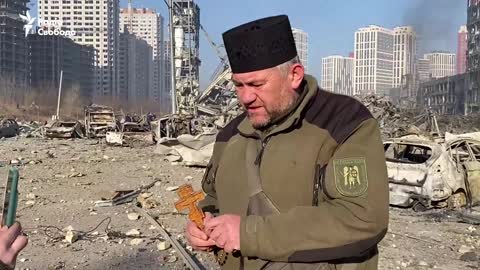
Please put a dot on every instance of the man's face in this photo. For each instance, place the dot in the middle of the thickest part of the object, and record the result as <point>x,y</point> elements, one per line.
<point>265,95</point>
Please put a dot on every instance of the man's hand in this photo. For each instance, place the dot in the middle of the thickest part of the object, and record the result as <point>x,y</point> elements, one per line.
<point>12,242</point>
<point>197,238</point>
<point>225,231</point>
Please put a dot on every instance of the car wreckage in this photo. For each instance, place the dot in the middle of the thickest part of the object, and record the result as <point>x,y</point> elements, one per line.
<point>426,173</point>
<point>99,120</point>
<point>8,128</point>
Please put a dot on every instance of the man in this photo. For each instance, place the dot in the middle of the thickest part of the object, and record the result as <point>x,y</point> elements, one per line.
<point>299,180</point>
<point>12,241</point>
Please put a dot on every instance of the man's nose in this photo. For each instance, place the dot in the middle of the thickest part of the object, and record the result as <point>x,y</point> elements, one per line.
<point>246,96</point>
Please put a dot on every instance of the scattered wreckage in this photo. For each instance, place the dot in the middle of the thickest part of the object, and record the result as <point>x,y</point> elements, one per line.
<point>65,130</point>
<point>99,120</point>
<point>428,173</point>
<point>9,128</point>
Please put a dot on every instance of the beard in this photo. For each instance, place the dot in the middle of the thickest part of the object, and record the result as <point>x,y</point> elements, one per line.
<point>277,111</point>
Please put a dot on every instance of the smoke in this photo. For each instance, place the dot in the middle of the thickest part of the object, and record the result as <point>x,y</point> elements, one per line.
<point>436,22</point>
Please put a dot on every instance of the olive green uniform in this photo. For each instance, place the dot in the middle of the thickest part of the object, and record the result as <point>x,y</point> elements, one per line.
<point>312,191</point>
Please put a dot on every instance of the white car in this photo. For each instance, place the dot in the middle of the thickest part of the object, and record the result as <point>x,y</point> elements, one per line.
<point>425,173</point>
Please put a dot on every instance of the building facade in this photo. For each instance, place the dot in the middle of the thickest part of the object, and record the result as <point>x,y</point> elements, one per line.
<point>404,50</point>
<point>51,54</point>
<point>167,77</point>
<point>473,56</point>
<point>442,64</point>
<point>13,47</point>
<point>422,70</point>
<point>96,23</point>
<point>301,42</point>
<point>135,69</point>
<point>462,39</point>
<point>374,59</point>
<point>445,95</point>
<point>337,74</point>
<point>148,25</point>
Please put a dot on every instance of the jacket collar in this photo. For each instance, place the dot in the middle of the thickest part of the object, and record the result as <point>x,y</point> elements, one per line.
<point>310,87</point>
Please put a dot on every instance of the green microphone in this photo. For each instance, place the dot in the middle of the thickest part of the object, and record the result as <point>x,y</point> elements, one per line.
<point>10,200</point>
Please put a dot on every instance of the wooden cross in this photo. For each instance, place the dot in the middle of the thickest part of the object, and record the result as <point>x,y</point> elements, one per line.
<point>188,200</point>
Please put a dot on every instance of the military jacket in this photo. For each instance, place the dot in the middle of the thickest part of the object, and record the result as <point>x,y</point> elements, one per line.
<point>323,168</point>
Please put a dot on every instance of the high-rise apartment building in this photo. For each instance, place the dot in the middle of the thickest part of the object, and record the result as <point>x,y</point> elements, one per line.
<point>462,39</point>
<point>96,23</point>
<point>301,42</point>
<point>13,45</point>
<point>374,59</point>
<point>404,51</point>
<point>135,69</point>
<point>51,54</point>
<point>167,76</point>
<point>337,74</point>
<point>442,64</point>
<point>148,25</point>
<point>423,71</point>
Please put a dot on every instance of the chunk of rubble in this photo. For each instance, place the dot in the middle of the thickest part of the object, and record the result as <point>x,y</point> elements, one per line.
<point>174,188</point>
<point>132,232</point>
<point>136,241</point>
<point>164,245</point>
<point>71,237</point>
<point>133,216</point>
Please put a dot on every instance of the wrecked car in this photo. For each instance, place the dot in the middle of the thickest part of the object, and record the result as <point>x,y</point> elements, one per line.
<point>61,129</point>
<point>9,128</point>
<point>424,173</point>
<point>99,120</point>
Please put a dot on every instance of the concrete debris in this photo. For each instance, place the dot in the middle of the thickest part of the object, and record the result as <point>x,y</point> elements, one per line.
<point>132,232</point>
<point>71,237</point>
<point>464,249</point>
<point>469,257</point>
<point>147,202</point>
<point>31,196</point>
<point>30,202</point>
<point>170,258</point>
<point>191,150</point>
<point>174,188</point>
<point>164,245</point>
<point>133,216</point>
<point>136,241</point>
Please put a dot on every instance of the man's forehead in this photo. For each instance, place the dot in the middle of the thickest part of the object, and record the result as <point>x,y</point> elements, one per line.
<point>252,76</point>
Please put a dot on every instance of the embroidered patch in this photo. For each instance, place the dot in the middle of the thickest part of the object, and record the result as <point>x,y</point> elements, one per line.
<point>351,176</point>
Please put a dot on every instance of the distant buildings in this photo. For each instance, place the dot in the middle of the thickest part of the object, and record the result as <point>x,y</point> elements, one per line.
<point>442,64</point>
<point>148,25</point>
<point>301,42</point>
<point>337,74</point>
<point>96,23</point>
<point>472,94</point>
<point>404,50</point>
<point>462,39</point>
<point>50,54</point>
<point>13,45</point>
<point>135,69</point>
<point>374,59</point>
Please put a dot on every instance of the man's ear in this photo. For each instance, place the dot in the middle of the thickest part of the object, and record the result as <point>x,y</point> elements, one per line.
<point>297,73</point>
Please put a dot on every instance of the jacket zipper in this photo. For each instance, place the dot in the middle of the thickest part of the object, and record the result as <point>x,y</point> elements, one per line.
<point>258,160</point>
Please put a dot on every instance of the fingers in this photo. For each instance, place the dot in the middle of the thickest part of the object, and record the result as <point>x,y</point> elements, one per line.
<point>194,231</point>
<point>19,244</point>
<point>212,223</point>
<point>8,237</point>
<point>197,238</point>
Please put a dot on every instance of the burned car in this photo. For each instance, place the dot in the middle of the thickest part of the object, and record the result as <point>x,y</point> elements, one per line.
<point>99,120</point>
<point>8,128</point>
<point>61,129</point>
<point>424,173</point>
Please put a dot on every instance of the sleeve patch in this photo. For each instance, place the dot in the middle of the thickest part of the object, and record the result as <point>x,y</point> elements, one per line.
<point>351,176</point>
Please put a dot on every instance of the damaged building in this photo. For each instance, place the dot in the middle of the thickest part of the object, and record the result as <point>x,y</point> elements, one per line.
<point>459,94</point>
